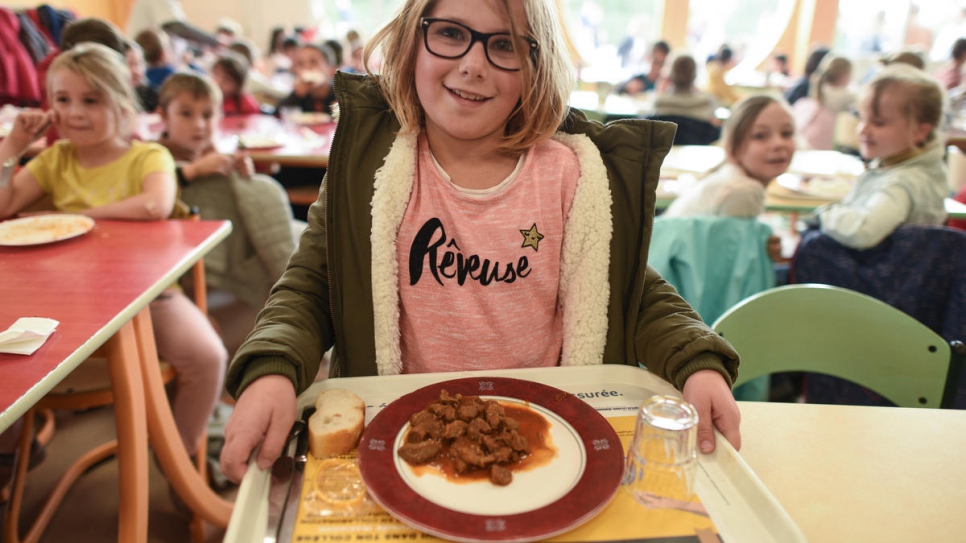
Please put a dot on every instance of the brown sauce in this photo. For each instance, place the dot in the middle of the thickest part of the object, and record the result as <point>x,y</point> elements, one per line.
<point>533,426</point>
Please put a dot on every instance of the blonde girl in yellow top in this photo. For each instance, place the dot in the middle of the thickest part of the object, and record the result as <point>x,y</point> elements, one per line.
<point>97,171</point>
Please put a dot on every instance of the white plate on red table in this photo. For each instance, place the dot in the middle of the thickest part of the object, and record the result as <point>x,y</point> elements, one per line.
<point>311,118</point>
<point>260,142</point>
<point>575,485</point>
<point>829,188</point>
<point>42,229</point>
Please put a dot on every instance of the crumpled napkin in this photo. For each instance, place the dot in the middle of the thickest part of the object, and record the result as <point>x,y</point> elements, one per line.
<point>26,335</point>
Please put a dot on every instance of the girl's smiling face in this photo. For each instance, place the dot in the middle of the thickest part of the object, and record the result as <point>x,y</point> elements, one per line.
<point>890,131</point>
<point>82,114</point>
<point>467,99</point>
<point>767,151</point>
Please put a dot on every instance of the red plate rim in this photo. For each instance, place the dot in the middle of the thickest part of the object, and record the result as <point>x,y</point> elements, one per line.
<point>594,489</point>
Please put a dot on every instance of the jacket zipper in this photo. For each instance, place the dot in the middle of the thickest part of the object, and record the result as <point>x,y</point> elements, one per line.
<point>336,370</point>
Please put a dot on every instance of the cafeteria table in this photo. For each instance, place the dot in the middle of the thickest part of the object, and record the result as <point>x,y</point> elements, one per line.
<point>98,286</point>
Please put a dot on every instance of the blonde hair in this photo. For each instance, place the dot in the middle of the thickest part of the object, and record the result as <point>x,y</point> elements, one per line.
<point>198,86</point>
<point>104,69</point>
<point>923,95</point>
<point>830,70</point>
<point>547,80</point>
<point>735,131</point>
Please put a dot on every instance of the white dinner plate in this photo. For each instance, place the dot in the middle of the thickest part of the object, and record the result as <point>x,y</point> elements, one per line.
<point>257,141</point>
<point>579,481</point>
<point>828,188</point>
<point>43,229</point>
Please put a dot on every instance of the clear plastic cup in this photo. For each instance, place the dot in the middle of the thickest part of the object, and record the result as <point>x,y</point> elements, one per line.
<point>663,456</point>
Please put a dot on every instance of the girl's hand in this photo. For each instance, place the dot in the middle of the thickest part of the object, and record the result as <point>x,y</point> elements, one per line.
<point>774,248</point>
<point>708,392</point>
<point>244,165</point>
<point>263,415</point>
<point>212,163</point>
<point>28,127</point>
<point>301,88</point>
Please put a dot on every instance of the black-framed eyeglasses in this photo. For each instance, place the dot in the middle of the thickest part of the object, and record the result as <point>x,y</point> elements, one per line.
<point>449,39</point>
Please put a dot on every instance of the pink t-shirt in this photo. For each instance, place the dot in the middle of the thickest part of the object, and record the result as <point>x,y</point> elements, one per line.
<point>479,271</point>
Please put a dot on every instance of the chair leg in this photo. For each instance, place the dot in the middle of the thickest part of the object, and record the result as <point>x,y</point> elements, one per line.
<point>46,431</point>
<point>93,457</point>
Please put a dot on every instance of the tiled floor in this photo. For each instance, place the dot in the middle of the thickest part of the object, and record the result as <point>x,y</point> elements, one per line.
<point>89,512</point>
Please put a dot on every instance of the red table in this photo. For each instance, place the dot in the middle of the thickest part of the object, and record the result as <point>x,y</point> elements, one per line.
<point>99,286</point>
<point>297,145</point>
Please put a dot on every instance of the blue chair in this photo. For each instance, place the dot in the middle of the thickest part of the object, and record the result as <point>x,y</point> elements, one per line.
<point>691,131</point>
<point>919,270</point>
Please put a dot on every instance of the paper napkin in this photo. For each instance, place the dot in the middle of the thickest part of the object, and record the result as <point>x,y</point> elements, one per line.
<point>26,335</point>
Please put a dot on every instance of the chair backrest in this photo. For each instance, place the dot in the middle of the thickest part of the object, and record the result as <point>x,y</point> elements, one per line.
<point>839,332</point>
<point>713,262</point>
<point>919,270</point>
<point>691,131</point>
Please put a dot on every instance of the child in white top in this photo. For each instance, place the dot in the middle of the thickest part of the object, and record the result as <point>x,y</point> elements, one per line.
<point>815,115</point>
<point>462,113</point>
<point>900,110</point>
<point>759,142</point>
<point>97,171</point>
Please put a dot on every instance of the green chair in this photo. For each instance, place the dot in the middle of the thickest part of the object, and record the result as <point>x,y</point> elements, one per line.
<point>839,332</point>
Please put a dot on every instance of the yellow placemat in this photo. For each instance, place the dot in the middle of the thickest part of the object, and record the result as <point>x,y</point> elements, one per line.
<point>346,515</point>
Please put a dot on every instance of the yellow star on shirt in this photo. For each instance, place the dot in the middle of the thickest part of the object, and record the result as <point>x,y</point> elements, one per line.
<point>531,238</point>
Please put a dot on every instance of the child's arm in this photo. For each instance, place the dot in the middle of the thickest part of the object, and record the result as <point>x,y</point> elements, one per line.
<point>19,193</point>
<point>865,226</point>
<point>679,347</point>
<point>20,190</point>
<point>209,164</point>
<point>155,202</point>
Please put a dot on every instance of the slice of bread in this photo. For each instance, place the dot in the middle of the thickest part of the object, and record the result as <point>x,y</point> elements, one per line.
<point>337,423</point>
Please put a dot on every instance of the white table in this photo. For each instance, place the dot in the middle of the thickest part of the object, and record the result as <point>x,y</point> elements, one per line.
<point>870,474</point>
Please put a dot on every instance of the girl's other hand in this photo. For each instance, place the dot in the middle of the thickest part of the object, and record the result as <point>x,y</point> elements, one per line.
<point>210,164</point>
<point>244,165</point>
<point>774,248</point>
<point>708,392</point>
<point>263,415</point>
<point>29,126</point>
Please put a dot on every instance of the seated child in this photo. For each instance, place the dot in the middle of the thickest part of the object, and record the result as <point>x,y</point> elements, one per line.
<point>683,98</point>
<point>223,186</point>
<point>653,79</point>
<point>157,53</point>
<point>314,67</point>
<point>147,96</point>
<point>759,142</point>
<point>230,72</point>
<point>99,172</point>
<point>829,95</point>
<point>900,110</point>
<point>719,65</point>
<point>457,155</point>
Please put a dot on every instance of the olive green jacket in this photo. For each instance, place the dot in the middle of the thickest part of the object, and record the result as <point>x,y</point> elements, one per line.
<point>340,286</point>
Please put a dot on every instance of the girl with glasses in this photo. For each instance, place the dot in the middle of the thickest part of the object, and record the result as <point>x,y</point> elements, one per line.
<point>470,220</point>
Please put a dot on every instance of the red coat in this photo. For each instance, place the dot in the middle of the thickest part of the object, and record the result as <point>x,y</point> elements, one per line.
<point>243,104</point>
<point>18,77</point>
